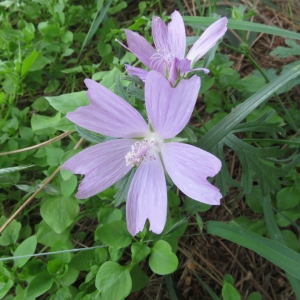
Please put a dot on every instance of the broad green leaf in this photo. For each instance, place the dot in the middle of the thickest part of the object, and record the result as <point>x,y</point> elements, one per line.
<point>90,135</point>
<point>162,260</point>
<point>254,296</point>
<point>27,247</point>
<point>139,279</point>
<point>39,122</point>
<point>68,102</point>
<point>287,198</point>
<point>59,212</point>
<point>230,293</point>
<point>276,253</point>
<point>10,234</point>
<point>108,215</point>
<point>39,285</point>
<point>139,252</point>
<point>68,186</point>
<point>28,62</point>
<point>113,281</point>
<point>114,234</point>
<point>242,25</point>
<point>219,131</point>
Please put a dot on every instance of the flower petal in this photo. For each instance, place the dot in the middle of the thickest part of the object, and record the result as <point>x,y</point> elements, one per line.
<point>108,114</point>
<point>160,34</point>
<point>188,167</point>
<point>177,37</point>
<point>142,74</point>
<point>208,39</point>
<point>169,109</point>
<point>102,164</point>
<point>147,198</point>
<point>140,47</point>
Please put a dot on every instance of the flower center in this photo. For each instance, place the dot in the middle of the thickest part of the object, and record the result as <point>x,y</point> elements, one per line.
<point>162,58</point>
<point>140,151</point>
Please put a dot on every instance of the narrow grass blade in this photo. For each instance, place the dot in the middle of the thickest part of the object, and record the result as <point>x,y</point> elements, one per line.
<point>275,234</point>
<point>276,253</point>
<point>95,24</point>
<point>242,25</point>
<point>219,131</point>
<point>14,169</point>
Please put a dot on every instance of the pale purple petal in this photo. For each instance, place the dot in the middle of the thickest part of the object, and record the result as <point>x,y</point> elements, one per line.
<point>169,109</point>
<point>188,167</point>
<point>177,37</point>
<point>141,73</point>
<point>184,65</point>
<point>108,114</point>
<point>147,198</point>
<point>102,164</point>
<point>159,34</point>
<point>208,39</point>
<point>140,47</point>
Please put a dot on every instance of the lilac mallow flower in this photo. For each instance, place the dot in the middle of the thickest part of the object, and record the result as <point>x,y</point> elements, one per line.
<point>151,148</point>
<point>170,42</point>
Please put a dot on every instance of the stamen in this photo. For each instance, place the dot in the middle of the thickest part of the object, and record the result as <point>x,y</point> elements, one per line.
<point>162,57</point>
<point>140,152</point>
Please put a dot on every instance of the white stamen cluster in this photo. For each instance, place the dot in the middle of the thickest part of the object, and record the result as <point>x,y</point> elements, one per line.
<point>162,57</point>
<point>140,151</point>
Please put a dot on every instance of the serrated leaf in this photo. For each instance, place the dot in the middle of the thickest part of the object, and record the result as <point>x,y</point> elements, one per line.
<point>252,160</point>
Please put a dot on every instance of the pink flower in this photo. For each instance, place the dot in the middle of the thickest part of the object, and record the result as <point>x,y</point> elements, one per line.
<point>170,41</point>
<point>148,147</point>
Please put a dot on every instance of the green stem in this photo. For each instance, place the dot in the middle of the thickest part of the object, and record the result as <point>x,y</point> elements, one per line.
<point>199,119</point>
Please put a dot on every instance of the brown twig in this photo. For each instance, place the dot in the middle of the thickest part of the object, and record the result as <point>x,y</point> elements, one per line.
<point>34,194</point>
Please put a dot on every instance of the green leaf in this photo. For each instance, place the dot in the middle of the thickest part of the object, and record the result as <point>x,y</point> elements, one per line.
<point>139,279</point>
<point>254,296</point>
<point>276,253</point>
<point>39,285</point>
<point>114,234</point>
<point>162,260</point>
<point>213,101</point>
<point>10,234</point>
<point>108,215</point>
<point>287,198</point>
<point>230,293</point>
<point>59,212</point>
<point>28,62</point>
<point>90,135</point>
<point>219,131</point>
<point>139,252</point>
<point>69,102</point>
<point>27,247</point>
<point>68,186</point>
<point>41,122</point>
<point>113,281</point>
<point>276,235</point>
<point>242,25</point>
<point>254,160</point>
<point>284,52</point>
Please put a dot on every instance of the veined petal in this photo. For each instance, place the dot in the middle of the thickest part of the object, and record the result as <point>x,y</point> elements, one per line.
<point>177,36</point>
<point>208,39</point>
<point>160,34</point>
<point>147,198</point>
<point>169,109</point>
<point>141,73</point>
<point>140,47</point>
<point>102,164</point>
<point>188,167</point>
<point>109,114</point>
